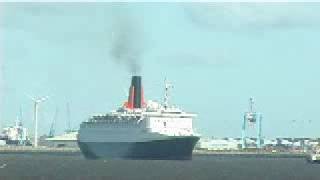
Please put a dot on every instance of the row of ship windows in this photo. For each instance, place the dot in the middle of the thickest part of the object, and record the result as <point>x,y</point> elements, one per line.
<point>165,123</point>
<point>171,121</point>
<point>111,126</point>
<point>128,121</point>
<point>117,123</point>
<point>112,121</point>
<point>163,116</point>
<point>96,119</point>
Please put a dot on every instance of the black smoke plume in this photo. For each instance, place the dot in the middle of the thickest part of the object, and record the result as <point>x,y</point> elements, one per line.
<point>126,47</point>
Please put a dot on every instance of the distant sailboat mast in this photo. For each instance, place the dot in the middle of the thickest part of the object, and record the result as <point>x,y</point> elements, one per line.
<point>68,118</point>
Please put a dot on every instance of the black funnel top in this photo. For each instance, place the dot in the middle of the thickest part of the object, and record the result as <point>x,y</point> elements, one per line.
<point>136,83</point>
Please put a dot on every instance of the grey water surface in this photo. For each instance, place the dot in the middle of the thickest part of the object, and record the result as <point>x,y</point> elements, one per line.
<point>54,166</point>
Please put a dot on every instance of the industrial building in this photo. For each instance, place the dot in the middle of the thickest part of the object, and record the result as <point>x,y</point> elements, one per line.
<point>68,140</point>
<point>226,144</point>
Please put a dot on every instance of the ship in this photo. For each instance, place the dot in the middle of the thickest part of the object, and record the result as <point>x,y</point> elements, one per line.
<point>314,156</point>
<point>15,135</point>
<point>140,130</point>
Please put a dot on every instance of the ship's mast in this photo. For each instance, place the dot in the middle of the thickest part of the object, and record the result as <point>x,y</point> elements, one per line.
<point>68,118</point>
<point>20,115</point>
<point>251,103</point>
<point>167,86</point>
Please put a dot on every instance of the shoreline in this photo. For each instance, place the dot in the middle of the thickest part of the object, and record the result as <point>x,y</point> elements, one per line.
<point>76,151</point>
<point>41,149</point>
<point>256,154</point>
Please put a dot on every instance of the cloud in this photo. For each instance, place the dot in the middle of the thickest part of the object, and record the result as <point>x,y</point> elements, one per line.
<point>110,29</point>
<point>201,59</point>
<point>254,15</point>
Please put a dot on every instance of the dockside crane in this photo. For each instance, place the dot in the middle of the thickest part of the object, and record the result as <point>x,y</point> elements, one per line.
<point>53,124</point>
<point>251,117</point>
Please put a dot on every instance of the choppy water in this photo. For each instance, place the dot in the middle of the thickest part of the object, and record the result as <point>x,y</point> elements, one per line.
<point>28,166</point>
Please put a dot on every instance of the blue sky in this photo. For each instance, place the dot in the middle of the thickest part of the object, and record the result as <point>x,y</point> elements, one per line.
<point>216,54</point>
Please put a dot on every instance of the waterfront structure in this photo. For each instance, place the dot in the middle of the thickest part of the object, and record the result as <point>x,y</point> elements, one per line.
<point>215,144</point>
<point>68,139</point>
<point>140,130</point>
<point>301,145</point>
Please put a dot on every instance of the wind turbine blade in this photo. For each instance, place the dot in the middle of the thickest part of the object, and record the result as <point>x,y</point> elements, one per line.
<point>44,99</point>
<point>30,97</point>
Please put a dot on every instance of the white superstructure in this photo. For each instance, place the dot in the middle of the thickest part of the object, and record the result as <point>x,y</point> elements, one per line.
<point>155,122</point>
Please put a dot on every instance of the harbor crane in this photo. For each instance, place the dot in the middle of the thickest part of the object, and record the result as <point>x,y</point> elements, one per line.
<point>52,127</point>
<point>251,118</point>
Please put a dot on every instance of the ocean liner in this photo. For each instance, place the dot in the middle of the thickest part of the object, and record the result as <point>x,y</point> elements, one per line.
<point>139,130</point>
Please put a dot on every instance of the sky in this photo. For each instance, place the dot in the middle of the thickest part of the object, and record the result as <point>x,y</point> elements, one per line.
<point>217,55</point>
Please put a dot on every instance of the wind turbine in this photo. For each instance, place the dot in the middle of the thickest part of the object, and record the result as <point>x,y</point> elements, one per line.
<point>36,102</point>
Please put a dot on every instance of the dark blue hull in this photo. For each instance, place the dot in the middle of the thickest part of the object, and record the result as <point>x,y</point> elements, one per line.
<point>174,148</point>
